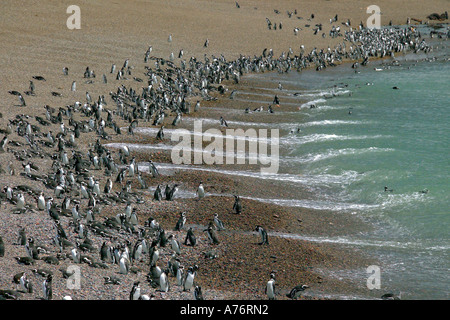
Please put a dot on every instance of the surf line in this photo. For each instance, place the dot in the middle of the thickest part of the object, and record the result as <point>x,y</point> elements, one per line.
<point>223,146</point>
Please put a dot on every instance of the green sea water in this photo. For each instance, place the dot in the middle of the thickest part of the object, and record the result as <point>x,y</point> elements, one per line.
<point>371,136</point>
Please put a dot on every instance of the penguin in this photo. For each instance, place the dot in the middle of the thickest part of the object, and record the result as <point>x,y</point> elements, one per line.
<point>172,193</point>
<point>3,143</point>
<point>25,284</point>
<point>223,123</point>
<point>47,288</point>
<point>297,291</point>
<point>20,201</point>
<point>200,191</point>
<point>198,295</point>
<point>160,134</point>
<point>219,224</point>
<point>174,244</point>
<point>152,169</point>
<point>164,282</point>
<point>158,194</point>
<point>106,253</point>
<point>108,186</point>
<point>237,206</point>
<point>263,234</point>
<point>181,222</point>
<point>190,239</point>
<point>189,279</point>
<point>31,249</point>
<point>270,287</point>
<point>180,276</point>
<point>22,240</point>
<point>212,235</point>
<point>75,255</point>
<point>2,247</point>
<point>135,292</point>
<point>153,253</point>
<point>124,264</point>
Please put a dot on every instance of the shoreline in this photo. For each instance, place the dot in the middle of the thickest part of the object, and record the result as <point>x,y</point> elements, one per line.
<point>243,278</point>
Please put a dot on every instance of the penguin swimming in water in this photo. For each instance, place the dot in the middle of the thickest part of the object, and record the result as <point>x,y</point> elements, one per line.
<point>263,234</point>
<point>297,291</point>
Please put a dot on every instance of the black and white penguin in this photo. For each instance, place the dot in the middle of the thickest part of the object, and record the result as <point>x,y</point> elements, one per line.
<point>164,282</point>
<point>219,224</point>
<point>263,234</point>
<point>152,169</point>
<point>157,194</point>
<point>171,195</point>
<point>47,288</point>
<point>212,235</point>
<point>188,282</point>
<point>200,191</point>
<point>135,292</point>
<point>181,221</point>
<point>25,284</point>
<point>154,253</point>
<point>198,295</point>
<point>160,134</point>
<point>175,245</point>
<point>270,287</point>
<point>190,239</point>
<point>297,291</point>
<point>2,247</point>
<point>237,206</point>
<point>223,122</point>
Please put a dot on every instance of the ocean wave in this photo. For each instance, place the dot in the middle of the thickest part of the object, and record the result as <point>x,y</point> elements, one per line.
<point>321,137</point>
<point>333,153</point>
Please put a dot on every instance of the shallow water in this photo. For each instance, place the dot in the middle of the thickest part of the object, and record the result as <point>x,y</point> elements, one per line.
<point>394,138</point>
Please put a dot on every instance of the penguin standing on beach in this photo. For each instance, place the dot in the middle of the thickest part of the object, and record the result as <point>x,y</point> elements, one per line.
<point>263,234</point>
<point>237,206</point>
<point>47,288</point>
<point>181,221</point>
<point>200,191</point>
<point>2,247</point>
<point>219,224</point>
<point>135,292</point>
<point>189,279</point>
<point>212,235</point>
<point>270,287</point>
<point>190,239</point>
<point>158,194</point>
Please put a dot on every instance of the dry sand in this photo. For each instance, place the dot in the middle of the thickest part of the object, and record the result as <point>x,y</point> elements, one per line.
<point>36,41</point>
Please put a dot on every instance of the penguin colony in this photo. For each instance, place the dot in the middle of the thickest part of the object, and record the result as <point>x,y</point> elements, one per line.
<point>77,185</point>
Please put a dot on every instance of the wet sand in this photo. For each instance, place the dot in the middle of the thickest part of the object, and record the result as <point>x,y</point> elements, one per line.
<point>34,44</point>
